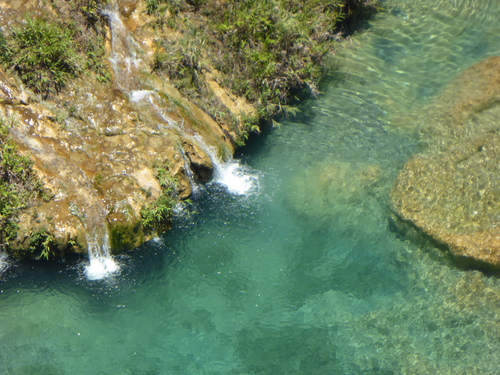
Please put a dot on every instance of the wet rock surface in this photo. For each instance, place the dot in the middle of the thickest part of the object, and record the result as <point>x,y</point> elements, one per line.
<point>99,147</point>
<point>452,190</point>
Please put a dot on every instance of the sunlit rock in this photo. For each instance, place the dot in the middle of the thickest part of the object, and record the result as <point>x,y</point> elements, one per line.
<point>454,197</point>
<point>451,191</point>
<point>99,148</point>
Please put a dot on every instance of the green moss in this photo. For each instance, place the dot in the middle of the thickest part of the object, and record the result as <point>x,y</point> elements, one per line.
<point>126,235</point>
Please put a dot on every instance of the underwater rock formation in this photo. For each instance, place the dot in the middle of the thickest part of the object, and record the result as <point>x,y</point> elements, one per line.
<point>336,189</point>
<point>452,190</point>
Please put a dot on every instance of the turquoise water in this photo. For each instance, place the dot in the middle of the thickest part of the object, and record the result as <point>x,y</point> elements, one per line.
<point>305,276</point>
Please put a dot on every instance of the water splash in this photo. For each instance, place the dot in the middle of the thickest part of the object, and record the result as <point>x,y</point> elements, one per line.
<point>101,263</point>
<point>237,178</point>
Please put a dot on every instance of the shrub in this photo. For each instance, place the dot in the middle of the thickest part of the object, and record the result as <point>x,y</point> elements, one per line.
<point>265,51</point>
<point>44,56</point>
<point>159,213</point>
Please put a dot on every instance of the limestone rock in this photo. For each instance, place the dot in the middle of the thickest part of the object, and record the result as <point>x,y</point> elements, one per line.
<point>452,190</point>
<point>100,147</point>
<point>454,196</point>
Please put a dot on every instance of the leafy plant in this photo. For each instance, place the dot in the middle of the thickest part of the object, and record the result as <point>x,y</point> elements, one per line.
<point>44,55</point>
<point>157,214</point>
<point>42,243</point>
<point>91,9</point>
<point>5,51</point>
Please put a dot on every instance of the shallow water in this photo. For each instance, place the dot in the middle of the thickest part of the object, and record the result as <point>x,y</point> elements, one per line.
<point>305,275</point>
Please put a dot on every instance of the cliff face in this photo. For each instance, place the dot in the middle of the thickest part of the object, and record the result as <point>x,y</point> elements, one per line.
<point>90,92</point>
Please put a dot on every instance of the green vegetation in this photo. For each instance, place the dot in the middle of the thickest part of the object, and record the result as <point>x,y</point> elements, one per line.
<point>42,245</point>
<point>265,51</point>
<point>48,54</point>
<point>19,185</point>
<point>44,56</point>
<point>159,213</point>
<point>91,10</point>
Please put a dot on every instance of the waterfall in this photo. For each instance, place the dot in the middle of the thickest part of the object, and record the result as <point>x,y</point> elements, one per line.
<point>189,172</point>
<point>101,262</point>
<point>235,177</point>
<point>3,262</point>
<point>125,52</point>
<point>148,97</point>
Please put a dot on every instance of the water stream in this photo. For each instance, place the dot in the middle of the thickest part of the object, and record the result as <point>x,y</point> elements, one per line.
<point>302,275</point>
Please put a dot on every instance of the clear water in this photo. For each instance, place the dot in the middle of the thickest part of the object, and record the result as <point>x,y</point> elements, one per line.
<point>304,276</point>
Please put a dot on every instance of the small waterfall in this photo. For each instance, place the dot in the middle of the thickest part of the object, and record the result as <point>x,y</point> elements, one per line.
<point>125,52</point>
<point>236,178</point>
<point>4,264</point>
<point>88,209</point>
<point>101,263</point>
<point>148,97</point>
<point>189,172</point>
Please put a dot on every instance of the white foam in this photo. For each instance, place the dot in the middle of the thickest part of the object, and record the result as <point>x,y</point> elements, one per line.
<point>236,178</point>
<point>142,95</point>
<point>100,268</point>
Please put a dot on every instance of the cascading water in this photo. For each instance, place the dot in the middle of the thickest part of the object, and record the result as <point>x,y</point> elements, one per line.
<point>236,178</point>
<point>101,263</point>
<point>4,264</point>
<point>308,278</point>
<point>148,97</point>
<point>124,58</point>
<point>126,63</point>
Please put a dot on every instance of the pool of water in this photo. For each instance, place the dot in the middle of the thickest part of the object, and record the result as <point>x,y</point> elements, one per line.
<point>305,274</point>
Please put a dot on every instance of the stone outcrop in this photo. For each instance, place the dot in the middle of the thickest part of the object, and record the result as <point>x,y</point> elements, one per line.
<point>452,190</point>
<point>99,147</point>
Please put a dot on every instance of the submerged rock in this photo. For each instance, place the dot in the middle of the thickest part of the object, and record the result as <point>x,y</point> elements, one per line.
<point>454,196</point>
<point>452,190</point>
<point>335,189</point>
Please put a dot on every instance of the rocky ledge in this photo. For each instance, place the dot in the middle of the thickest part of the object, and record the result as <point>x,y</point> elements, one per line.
<point>451,191</point>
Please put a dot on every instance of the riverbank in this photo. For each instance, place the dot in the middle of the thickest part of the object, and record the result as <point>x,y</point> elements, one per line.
<point>123,106</point>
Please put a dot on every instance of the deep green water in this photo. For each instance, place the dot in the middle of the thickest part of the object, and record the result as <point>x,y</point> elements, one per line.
<point>304,276</point>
